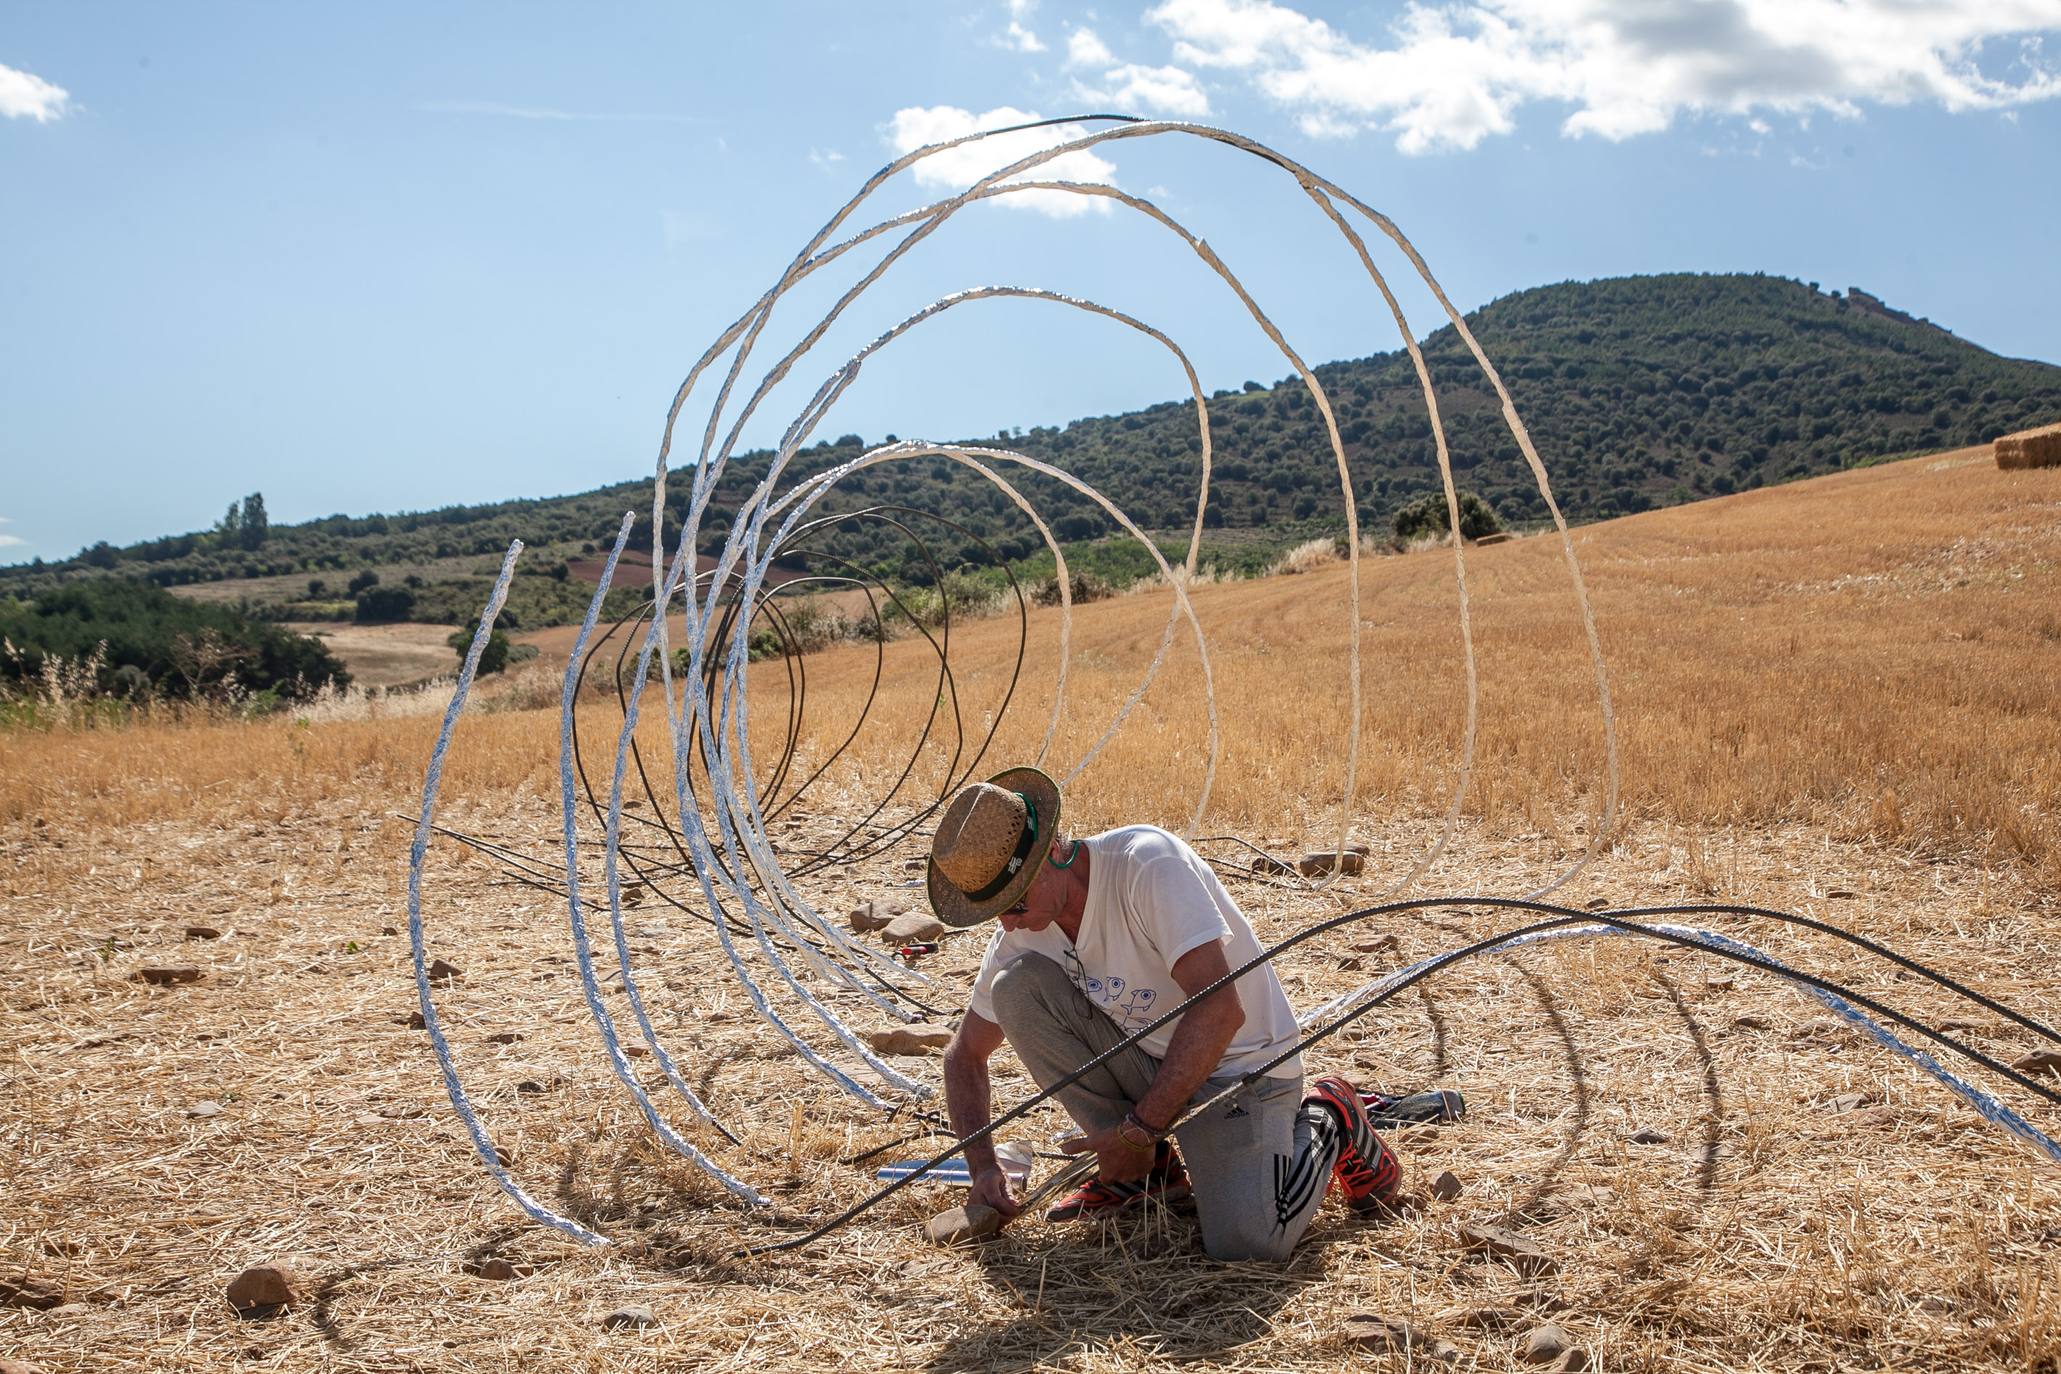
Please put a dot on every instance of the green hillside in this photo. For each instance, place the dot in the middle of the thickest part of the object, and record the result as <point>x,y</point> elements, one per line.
<point>1640,392</point>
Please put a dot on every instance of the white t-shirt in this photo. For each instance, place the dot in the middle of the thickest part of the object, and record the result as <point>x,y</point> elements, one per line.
<point>1151,899</point>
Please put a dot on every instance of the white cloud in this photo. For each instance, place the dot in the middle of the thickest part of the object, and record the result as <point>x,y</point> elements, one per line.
<point>1085,49</point>
<point>8,541</point>
<point>1162,90</point>
<point>826,158</point>
<point>960,167</point>
<point>1016,36</point>
<point>1449,75</point>
<point>24,95</point>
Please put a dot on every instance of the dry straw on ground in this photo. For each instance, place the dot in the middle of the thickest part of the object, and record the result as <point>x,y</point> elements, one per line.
<point>1837,698</point>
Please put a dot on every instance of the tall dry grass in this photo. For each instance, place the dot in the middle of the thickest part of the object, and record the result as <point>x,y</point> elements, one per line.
<point>1876,651</point>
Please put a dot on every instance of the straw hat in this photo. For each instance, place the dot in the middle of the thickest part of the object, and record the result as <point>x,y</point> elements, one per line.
<point>989,845</point>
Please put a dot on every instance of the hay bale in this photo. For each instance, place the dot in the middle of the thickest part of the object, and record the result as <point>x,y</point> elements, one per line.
<point>2032,448</point>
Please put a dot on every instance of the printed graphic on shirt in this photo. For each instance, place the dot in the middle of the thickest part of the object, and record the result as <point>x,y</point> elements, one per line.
<point>1126,1004</point>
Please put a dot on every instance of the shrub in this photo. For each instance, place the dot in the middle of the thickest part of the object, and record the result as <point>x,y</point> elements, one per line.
<point>492,659</point>
<point>385,605</point>
<point>1427,515</point>
<point>179,648</point>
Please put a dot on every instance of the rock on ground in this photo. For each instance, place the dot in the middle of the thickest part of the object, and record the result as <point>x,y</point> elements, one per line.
<point>914,925</point>
<point>908,1040</point>
<point>959,1225</point>
<point>1372,1332</point>
<point>275,1283</point>
<point>1545,1344</point>
<point>632,1318</point>
<point>22,1290</point>
<point>1446,1186</point>
<point>1521,1251</point>
<point>868,917</point>
<point>168,976</point>
<point>2039,1061</point>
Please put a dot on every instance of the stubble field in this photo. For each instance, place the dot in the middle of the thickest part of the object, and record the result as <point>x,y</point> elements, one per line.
<point>1835,698</point>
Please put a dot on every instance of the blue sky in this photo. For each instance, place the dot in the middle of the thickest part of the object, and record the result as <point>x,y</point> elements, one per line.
<point>385,257</point>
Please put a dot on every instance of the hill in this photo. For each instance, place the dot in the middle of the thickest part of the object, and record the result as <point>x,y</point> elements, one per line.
<point>1641,392</point>
<point>1835,697</point>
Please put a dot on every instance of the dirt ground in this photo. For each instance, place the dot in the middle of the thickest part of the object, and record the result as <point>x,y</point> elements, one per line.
<point>388,655</point>
<point>158,1140</point>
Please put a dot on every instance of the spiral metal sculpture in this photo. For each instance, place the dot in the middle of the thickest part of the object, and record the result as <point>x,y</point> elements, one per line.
<point>802,975</point>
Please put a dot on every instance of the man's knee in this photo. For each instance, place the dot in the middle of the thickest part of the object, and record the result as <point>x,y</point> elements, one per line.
<point>1022,990</point>
<point>1267,1244</point>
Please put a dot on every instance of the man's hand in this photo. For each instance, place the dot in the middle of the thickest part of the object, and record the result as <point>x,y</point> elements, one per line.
<point>1118,1162</point>
<point>991,1188</point>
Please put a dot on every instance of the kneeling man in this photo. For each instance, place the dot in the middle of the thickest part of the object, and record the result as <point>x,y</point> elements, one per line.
<point>1098,938</point>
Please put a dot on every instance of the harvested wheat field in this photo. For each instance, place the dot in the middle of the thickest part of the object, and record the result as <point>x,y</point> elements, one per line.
<point>1835,698</point>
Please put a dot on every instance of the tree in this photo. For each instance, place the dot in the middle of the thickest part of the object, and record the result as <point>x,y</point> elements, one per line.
<point>493,658</point>
<point>384,605</point>
<point>1427,515</point>
<point>255,526</point>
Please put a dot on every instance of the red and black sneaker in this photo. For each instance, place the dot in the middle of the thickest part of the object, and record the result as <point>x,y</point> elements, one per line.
<point>1368,1173</point>
<point>1167,1182</point>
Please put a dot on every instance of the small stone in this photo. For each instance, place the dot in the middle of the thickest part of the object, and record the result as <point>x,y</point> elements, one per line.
<point>1522,1252</point>
<point>1935,1305</point>
<point>1595,1194</point>
<point>1268,864</point>
<point>1571,1359</point>
<point>530,1087</point>
<point>1722,980</point>
<point>414,1021</point>
<point>867,917</point>
<point>1380,944</point>
<point>1648,1135</point>
<point>389,930</point>
<point>909,1040</point>
<point>266,1287</point>
<point>1958,1027</point>
<point>1749,1023</point>
<point>22,1290</point>
<point>499,1270</point>
<point>1372,1332</point>
<point>203,933</point>
<point>1840,894</point>
<point>441,972</point>
<point>1503,1243</point>
<point>204,1108</point>
<point>1348,863</point>
<point>914,925</point>
<point>2039,1061</point>
<point>959,1225</point>
<point>1488,1318</point>
<point>504,1156</point>
<point>1545,1344</point>
<point>636,1051</point>
<point>633,894</point>
<point>504,1037</point>
<point>1846,1102</point>
<point>168,976</point>
<point>1446,1186</point>
<point>633,1318</point>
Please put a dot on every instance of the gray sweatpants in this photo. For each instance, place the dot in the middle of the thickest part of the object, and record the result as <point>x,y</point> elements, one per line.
<point>1258,1163</point>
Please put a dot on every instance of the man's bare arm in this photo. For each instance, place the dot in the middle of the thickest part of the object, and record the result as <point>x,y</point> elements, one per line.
<point>1199,1041</point>
<point>967,1106</point>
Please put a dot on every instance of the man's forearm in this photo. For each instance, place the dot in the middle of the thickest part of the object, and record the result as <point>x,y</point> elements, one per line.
<point>966,1106</point>
<point>1191,1056</point>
